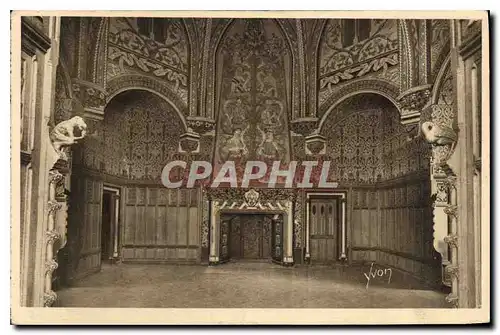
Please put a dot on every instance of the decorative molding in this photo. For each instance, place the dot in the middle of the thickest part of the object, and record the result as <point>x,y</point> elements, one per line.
<point>451,270</point>
<point>189,142</point>
<point>141,82</point>
<point>201,125</point>
<point>452,240</point>
<point>451,210</point>
<point>304,126</point>
<point>52,236</point>
<point>49,298</point>
<point>452,299</point>
<point>50,266</point>
<point>54,206</point>
<point>92,97</point>
<point>412,101</point>
<point>315,144</point>
<point>33,37</point>
<point>382,87</point>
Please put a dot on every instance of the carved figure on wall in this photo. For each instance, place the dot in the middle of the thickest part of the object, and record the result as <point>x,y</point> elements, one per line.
<point>235,147</point>
<point>268,148</point>
<point>269,116</point>
<point>235,114</point>
<point>63,134</point>
<point>266,83</point>
<point>437,135</point>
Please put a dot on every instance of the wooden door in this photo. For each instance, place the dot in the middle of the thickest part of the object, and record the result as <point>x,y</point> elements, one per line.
<point>324,214</point>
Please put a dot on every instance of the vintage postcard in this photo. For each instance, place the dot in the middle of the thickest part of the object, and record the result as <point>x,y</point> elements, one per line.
<point>250,167</point>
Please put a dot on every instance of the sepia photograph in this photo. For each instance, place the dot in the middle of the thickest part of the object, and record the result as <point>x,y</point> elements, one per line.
<point>250,167</point>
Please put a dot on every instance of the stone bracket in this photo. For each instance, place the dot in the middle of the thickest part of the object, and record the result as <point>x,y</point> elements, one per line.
<point>92,98</point>
<point>412,102</point>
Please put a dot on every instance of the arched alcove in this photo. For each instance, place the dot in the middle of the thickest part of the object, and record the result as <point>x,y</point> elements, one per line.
<point>124,154</point>
<point>386,175</point>
<point>138,136</point>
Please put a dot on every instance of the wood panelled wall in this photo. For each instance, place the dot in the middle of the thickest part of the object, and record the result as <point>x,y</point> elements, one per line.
<point>161,225</point>
<point>156,224</point>
<point>84,227</point>
<point>392,225</point>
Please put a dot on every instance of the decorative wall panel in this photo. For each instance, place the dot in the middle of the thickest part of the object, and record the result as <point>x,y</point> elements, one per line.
<point>440,44</point>
<point>138,136</point>
<point>366,142</point>
<point>160,224</point>
<point>351,49</point>
<point>163,53</point>
<point>84,227</point>
<point>254,93</point>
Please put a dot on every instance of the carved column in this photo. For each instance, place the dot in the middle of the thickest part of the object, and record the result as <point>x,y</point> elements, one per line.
<point>61,137</point>
<point>51,236</point>
<point>439,131</point>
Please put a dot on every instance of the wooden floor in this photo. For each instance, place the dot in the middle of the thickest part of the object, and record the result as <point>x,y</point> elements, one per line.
<point>247,285</point>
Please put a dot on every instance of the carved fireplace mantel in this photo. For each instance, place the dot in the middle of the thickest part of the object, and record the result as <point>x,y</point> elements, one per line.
<point>250,201</point>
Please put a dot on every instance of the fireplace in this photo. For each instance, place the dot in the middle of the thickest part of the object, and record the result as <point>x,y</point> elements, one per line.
<point>272,205</point>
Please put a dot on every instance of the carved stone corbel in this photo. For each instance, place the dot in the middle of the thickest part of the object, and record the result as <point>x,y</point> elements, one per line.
<point>412,102</point>
<point>189,142</point>
<point>92,98</point>
<point>315,144</point>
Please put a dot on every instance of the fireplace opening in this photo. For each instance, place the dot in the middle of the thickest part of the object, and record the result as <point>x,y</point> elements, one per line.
<point>249,236</point>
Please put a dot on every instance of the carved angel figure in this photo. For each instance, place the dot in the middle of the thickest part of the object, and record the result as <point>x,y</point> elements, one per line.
<point>437,135</point>
<point>63,134</point>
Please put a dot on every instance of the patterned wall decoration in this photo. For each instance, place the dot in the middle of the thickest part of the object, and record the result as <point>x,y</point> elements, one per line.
<point>165,58</point>
<point>62,100</point>
<point>139,134</point>
<point>255,86</point>
<point>440,44</point>
<point>367,143</point>
<point>353,48</point>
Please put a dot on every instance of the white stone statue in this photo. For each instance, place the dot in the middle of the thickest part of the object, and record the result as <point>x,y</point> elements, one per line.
<point>437,135</point>
<point>63,134</point>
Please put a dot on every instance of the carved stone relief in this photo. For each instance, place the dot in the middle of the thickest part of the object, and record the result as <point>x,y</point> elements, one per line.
<point>253,120</point>
<point>347,53</point>
<point>167,59</point>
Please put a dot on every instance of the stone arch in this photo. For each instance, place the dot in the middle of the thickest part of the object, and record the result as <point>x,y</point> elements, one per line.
<point>381,87</point>
<point>406,53</point>
<point>123,83</point>
<point>440,77</point>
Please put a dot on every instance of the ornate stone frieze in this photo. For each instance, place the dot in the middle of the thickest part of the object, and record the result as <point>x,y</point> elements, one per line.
<point>304,126</point>
<point>238,194</point>
<point>91,96</point>
<point>412,101</point>
<point>201,125</point>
